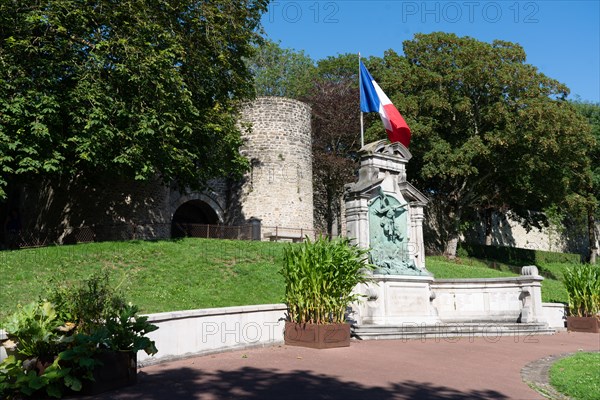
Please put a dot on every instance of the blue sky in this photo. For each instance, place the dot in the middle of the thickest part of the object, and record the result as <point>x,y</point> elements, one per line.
<point>561,38</point>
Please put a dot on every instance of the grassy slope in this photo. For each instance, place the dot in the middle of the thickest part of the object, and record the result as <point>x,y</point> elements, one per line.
<point>192,273</point>
<point>157,276</point>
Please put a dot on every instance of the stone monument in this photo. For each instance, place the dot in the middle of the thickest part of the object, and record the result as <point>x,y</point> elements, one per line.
<point>384,213</point>
<point>389,235</point>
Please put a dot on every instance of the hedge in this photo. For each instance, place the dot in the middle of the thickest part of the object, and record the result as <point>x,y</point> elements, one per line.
<point>517,256</point>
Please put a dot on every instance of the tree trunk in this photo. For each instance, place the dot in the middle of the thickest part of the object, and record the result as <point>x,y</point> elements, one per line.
<point>454,215</point>
<point>487,220</point>
<point>330,215</point>
<point>451,247</point>
<point>592,237</point>
<point>339,223</point>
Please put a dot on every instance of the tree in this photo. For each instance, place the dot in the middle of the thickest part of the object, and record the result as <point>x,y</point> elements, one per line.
<point>334,99</point>
<point>137,88</point>
<point>281,72</point>
<point>489,131</point>
<point>591,112</point>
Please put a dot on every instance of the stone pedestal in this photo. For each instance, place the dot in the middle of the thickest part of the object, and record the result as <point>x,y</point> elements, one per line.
<point>396,300</point>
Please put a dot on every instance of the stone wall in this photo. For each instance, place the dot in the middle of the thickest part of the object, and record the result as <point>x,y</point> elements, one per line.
<point>278,189</point>
<point>508,231</point>
<point>205,331</point>
<point>112,207</point>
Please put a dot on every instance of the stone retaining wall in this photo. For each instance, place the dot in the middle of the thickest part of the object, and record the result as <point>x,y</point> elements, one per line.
<point>184,333</point>
<point>205,331</point>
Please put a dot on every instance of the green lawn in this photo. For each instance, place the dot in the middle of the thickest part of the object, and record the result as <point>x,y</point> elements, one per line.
<point>194,273</point>
<point>577,376</point>
<point>157,276</point>
<point>443,268</point>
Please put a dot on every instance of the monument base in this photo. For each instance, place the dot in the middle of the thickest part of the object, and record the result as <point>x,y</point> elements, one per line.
<point>396,300</point>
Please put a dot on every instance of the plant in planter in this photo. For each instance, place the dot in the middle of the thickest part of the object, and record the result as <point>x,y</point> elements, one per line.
<point>63,345</point>
<point>583,288</point>
<point>319,278</point>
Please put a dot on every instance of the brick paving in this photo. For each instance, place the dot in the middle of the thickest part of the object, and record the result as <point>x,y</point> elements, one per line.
<point>444,368</point>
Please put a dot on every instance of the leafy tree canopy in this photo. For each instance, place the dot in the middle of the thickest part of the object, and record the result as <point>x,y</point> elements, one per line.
<point>334,98</point>
<point>281,72</point>
<point>135,87</point>
<point>489,131</point>
<point>591,112</point>
<point>591,192</point>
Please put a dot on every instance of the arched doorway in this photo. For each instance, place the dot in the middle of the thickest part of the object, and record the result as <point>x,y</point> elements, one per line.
<point>191,218</point>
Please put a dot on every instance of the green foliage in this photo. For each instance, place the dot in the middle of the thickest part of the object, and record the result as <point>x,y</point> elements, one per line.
<point>38,337</point>
<point>55,342</point>
<point>89,304</point>
<point>281,72</point>
<point>98,310</point>
<point>583,288</point>
<point>320,277</point>
<point>591,192</point>
<point>517,256</point>
<point>127,331</point>
<point>19,378</point>
<point>547,257</point>
<point>334,99</point>
<point>137,88</point>
<point>577,376</point>
<point>591,112</point>
<point>35,329</point>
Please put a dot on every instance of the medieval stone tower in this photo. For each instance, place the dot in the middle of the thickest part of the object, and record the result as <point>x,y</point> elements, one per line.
<point>278,190</point>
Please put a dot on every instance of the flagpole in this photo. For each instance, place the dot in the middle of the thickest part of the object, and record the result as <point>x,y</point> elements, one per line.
<point>362,132</point>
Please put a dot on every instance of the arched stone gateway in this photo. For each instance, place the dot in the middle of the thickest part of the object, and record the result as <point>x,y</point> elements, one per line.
<point>193,212</point>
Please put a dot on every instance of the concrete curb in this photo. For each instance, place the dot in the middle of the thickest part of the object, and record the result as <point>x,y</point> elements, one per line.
<point>536,375</point>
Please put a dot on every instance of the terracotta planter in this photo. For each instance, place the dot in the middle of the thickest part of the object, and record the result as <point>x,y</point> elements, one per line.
<point>317,336</point>
<point>583,324</point>
<point>118,369</point>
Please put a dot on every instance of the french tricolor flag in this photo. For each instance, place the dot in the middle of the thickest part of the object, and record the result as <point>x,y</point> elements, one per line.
<point>372,99</point>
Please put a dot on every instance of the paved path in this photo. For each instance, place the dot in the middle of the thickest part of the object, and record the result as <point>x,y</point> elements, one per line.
<point>462,368</point>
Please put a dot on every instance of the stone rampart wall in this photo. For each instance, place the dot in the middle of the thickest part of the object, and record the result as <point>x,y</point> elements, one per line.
<point>52,209</point>
<point>507,231</point>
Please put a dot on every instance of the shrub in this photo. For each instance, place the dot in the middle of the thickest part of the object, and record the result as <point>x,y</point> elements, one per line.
<point>515,255</point>
<point>54,342</point>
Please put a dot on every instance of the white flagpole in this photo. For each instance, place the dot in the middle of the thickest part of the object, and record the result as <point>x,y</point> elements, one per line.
<point>362,133</point>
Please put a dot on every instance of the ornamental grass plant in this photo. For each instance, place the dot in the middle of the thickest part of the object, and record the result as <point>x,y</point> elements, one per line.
<point>583,289</point>
<point>320,277</point>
